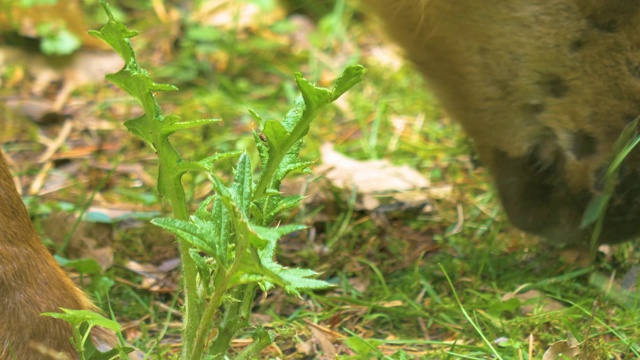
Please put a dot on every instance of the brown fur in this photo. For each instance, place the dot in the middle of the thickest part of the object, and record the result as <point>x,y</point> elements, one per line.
<point>544,88</point>
<point>31,282</point>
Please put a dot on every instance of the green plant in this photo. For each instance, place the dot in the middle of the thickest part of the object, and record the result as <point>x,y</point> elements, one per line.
<point>82,322</point>
<point>227,246</point>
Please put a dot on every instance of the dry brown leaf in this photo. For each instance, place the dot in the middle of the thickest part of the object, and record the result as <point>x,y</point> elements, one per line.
<point>324,342</point>
<point>227,14</point>
<point>360,283</point>
<point>83,67</point>
<point>368,176</point>
<point>563,350</point>
<point>390,304</point>
<point>534,299</point>
<point>36,109</point>
<point>373,178</point>
<point>155,278</point>
<point>89,240</point>
<point>575,256</point>
<point>305,347</point>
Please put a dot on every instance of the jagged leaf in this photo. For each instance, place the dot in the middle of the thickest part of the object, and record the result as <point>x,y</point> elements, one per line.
<point>190,231</point>
<point>351,76</point>
<point>281,204</point>
<point>181,125</point>
<point>242,185</point>
<point>77,317</point>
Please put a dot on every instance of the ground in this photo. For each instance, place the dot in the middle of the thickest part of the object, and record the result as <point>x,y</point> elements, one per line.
<point>441,276</point>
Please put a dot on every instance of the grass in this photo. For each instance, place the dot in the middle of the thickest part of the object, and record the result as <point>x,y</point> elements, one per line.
<point>440,285</point>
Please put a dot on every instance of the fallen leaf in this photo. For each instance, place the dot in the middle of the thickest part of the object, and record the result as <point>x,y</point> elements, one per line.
<point>532,300</point>
<point>368,176</point>
<point>155,278</point>
<point>83,67</point>
<point>390,304</point>
<point>380,184</point>
<point>236,15</point>
<point>305,347</point>
<point>89,240</point>
<point>360,283</point>
<point>324,342</point>
<point>563,350</point>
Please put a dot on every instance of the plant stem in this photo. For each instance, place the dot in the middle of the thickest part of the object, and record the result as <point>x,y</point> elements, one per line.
<point>297,133</point>
<point>174,193</point>
<point>260,341</point>
<point>236,315</point>
<point>233,321</point>
<point>212,307</point>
